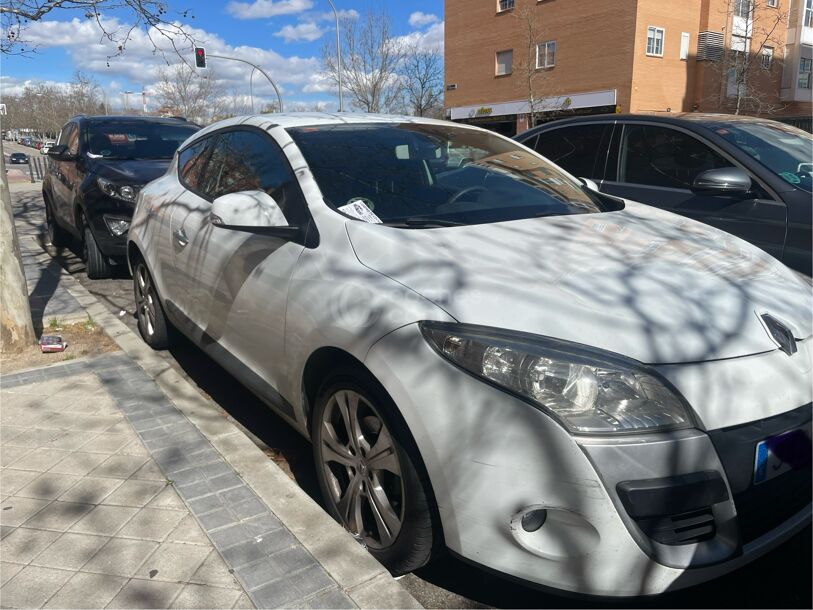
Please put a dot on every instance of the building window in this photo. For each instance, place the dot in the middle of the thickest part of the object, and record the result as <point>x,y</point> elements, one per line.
<point>805,65</point>
<point>767,58</point>
<point>654,41</point>
<point>546,54</point>
<point>742,8</point>
<point>809,13</point>
<point>773,3</point>
<point>685,39</point>
<point>505,60</point>
<point>504,5</point>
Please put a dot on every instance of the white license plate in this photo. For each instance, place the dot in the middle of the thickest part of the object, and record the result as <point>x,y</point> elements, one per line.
<point>777,455</point>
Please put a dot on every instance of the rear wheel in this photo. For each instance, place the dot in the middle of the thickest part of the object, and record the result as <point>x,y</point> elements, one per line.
<point>152,321</point>
<point>96,263</point>
<point>57,236</point>
<point>368,476</point>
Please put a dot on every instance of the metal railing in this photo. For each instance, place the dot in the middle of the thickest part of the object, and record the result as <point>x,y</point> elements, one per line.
<point>37,167</point>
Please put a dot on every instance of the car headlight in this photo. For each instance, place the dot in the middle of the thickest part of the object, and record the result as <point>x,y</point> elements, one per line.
<point>589,391</point>
<point>124,192</point>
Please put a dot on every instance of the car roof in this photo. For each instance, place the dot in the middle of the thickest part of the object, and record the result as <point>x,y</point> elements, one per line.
<point>705,120</point>
<point>291,120</point>
<point>130,118</point>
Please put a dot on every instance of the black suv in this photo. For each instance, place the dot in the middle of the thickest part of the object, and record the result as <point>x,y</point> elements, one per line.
<point>95,172</point>
<point>751,177</point>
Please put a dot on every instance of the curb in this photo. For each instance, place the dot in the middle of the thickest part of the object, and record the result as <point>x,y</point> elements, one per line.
<point>365,581</point>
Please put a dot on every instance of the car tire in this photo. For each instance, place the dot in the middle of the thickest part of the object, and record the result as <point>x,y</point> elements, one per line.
<point>396,516</point>
<point>58,236</point>
<point>152,321</point>
<point>96,263</point>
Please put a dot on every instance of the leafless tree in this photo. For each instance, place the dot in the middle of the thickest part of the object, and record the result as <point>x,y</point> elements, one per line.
<point>753,56</point>
<point>536,78</point>
<point>16,328</point>
<point>183,91</point>
<point>370,58</point>
<point>152,16</point>
<point>421,74</point>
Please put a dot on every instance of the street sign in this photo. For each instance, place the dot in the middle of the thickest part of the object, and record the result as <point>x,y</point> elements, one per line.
<point>200,57</point>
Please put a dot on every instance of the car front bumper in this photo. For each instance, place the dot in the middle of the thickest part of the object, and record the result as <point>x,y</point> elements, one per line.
<point>493,458</point>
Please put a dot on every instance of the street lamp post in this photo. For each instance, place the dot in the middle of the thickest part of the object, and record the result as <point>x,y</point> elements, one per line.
<point>127,99</point>
<point>260,70</point>
<point>338,55</point>
<point>251,88</point>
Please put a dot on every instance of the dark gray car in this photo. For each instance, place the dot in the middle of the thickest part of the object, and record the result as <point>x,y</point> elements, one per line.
<point>748,176</point>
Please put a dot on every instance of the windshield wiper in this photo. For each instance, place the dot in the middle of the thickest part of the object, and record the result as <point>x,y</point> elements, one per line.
<point>427,222</point>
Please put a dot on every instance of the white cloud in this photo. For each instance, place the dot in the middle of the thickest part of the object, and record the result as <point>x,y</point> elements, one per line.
<point>140,64</point>
<point>264,9</point>
<point>430,39</point>
<point>419,19</point>
<point>304,31</point>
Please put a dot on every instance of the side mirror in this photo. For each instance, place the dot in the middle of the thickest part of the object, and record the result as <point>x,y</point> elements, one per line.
<point>722,181</point>
<point>253,212</point>
<point>60,151</point>
<point>590,184</point>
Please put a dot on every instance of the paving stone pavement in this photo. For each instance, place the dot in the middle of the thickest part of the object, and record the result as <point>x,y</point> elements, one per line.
<point>110,497</point>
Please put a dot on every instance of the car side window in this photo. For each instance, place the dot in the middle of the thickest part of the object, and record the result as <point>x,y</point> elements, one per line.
<point>577,149</point>
<point>70,138</point>
<point>246,161</point>
<point>664,157</point>
<point>191,162</point>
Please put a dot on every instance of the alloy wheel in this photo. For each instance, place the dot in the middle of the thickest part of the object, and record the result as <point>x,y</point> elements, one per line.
<point>145,300</point>
<point>362,469</point>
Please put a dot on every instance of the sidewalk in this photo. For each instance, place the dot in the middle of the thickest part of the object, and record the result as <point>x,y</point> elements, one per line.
<point>122,486</point>
<point>88,518</point>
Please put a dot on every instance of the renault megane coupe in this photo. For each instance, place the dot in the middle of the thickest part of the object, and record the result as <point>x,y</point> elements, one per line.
<point>488,355</point>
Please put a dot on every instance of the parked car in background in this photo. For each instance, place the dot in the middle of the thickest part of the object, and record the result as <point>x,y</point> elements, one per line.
<point>99,165</point>
<point>566,387</point>
<point>18,157</point>
<point>748,176</point>
<point>46,147</point>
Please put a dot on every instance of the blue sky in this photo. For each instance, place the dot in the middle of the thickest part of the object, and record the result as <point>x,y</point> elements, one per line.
<point>284,36</point>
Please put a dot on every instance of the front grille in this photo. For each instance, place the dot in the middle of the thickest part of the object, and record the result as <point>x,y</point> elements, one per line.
<point>763,507</point>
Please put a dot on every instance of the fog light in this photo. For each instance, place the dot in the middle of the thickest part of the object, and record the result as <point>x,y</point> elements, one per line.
<point>117,226</point>
<point>535,519</point>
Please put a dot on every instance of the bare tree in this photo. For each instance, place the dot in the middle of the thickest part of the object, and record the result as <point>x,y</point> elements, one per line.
<point>183,91</point>
<point>421,74</point>
<point>536,76</point>
<point>16,328</point>
<point>152,16</point>
<point>370,58</point>
<point>752,57</point>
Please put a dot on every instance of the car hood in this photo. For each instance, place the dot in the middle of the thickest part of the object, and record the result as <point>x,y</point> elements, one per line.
<point>650,285</point>
<point>132,171</point>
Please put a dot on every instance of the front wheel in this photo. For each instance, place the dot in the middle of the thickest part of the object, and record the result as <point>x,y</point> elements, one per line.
<point>152,321</point>
<point>96,263</point>
<point>368,476</point>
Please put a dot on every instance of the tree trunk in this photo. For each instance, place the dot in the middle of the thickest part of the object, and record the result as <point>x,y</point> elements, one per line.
<point>16,328</point>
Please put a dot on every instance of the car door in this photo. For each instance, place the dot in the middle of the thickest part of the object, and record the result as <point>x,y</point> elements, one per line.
<point>64,175</point>
<point>581,149</point>
<point>238,280</point>
<point>657,164</point>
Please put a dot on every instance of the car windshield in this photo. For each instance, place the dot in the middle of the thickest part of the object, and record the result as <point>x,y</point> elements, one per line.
<point>785,150</point>
<point>137,139</point>
<point>425,175</point>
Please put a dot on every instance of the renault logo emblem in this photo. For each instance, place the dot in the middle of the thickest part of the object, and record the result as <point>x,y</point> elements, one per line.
<point>779,333</point>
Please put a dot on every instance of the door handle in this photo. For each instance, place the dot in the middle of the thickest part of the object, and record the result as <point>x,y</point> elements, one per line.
<point>180,237</point>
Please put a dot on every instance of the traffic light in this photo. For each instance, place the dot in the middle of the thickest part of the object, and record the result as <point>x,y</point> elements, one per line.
<point>200,57</point>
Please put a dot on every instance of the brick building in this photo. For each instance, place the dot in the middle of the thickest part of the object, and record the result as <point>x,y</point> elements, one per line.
<point>568,57</point>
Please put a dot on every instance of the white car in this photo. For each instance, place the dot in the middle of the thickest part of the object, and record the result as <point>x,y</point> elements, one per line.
<point>572,389</point>
<point>46,147</point>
